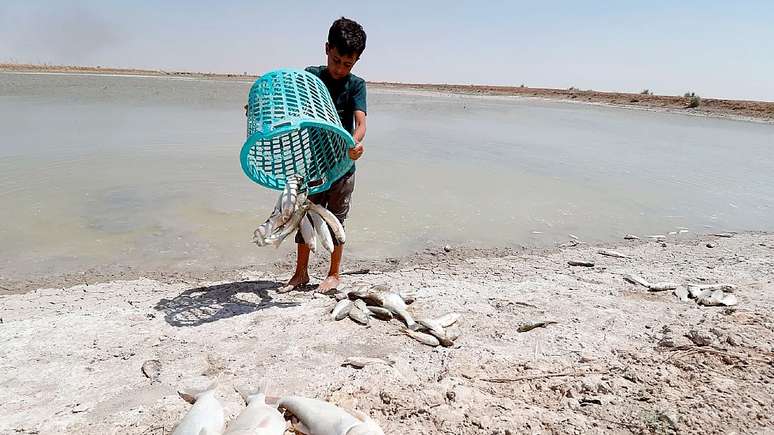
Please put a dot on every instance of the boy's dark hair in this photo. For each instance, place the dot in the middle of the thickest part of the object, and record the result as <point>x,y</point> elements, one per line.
<point>347,36</point>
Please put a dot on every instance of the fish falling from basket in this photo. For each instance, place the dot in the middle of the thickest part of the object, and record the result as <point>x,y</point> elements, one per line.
<point>293,212</point>
<point>297,144</point>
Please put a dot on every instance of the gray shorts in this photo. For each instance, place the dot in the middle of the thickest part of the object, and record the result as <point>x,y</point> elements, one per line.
<point>336,200</point>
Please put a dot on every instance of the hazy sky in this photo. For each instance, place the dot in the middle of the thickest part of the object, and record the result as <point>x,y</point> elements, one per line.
<point>714,48</point>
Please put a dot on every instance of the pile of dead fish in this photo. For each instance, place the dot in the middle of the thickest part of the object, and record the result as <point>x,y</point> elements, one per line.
<point>293,212</point>
<point>361,302</point>
<point>301,414</point>
<point>704,294</point>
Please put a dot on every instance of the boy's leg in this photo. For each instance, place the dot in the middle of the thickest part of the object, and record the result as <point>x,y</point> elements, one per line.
<point>301,275</point>
<point>339,196</point>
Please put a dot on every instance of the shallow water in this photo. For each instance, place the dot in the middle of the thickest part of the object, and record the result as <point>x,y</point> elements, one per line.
<point>144,172</point>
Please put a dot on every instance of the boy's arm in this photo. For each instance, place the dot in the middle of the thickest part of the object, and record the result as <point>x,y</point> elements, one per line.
<point>358,135</point>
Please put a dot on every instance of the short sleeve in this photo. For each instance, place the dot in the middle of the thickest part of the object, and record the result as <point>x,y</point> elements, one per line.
<point>359,97</point>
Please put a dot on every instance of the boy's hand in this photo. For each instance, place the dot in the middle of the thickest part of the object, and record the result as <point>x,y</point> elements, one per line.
<point>357,151</point>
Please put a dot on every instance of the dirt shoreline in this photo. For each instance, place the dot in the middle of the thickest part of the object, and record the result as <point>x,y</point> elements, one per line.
<point>620,359</point>
<point>736,109</point>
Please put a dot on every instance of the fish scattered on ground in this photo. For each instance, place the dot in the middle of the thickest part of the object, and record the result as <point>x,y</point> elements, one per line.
<point>317,417</point>
<point>422,337</point>
<point>662,286</point>
<point>682,294</point>
<point>380,313</point>
<point>611,253</point>
<point>631,237</point>
<point>359,362</point>
<point>716,298</point>
<point>636,279</point>
<point>359,316</point>
<point>151,369</point>
<point>205,416</point>
<point>448,319</point>
<point>257,418</point>
<point>342,309</point>
<point>581,263</point>
<point>530,326</point>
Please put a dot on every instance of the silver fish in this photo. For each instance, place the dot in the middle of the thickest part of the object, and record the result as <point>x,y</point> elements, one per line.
<point>290,196</point>
<point>636,279</point>
<point>631,237</point>
<point>323,233</point>
<point>204,417</point>
<point>308,233</point>
<point>716,297</point>
<point>361,306</point>
<point>342,309</point>
<point>322,418</point>
<point>359,316</point>
<point>394,303</point>
<point>682,294</point>
<point>331,220</point>
<point>292,225</point>
<point>662,286</point>
<point>431,325</point>
<point>359,362</point>
<point>422,337</point>
<point>258,418</point>
<point>453,332</point>
<point>380,313</point>
<point>610,253</point>
<point>448,319</point>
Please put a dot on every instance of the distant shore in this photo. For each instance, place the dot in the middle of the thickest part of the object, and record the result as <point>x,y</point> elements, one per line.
<point>740,109</point>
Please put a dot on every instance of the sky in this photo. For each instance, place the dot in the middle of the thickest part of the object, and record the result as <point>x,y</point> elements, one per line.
<point>719,49</point>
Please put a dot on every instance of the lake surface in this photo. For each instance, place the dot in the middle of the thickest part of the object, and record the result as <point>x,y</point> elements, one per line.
<point>144,172</point>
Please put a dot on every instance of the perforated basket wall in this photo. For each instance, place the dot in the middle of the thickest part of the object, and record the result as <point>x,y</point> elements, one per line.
<point>293,128</point>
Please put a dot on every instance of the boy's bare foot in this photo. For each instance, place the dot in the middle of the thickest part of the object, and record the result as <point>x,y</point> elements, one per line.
<point>295,282</point>
<point>329,284</point>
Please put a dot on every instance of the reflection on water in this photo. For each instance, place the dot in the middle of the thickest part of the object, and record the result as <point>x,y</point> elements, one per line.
<point>145,172</point>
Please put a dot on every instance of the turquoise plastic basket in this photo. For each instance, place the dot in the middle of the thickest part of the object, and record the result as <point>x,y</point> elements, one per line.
<point>293,128</point>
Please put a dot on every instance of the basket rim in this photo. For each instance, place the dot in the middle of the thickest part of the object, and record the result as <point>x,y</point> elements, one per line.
<point>299,124</point>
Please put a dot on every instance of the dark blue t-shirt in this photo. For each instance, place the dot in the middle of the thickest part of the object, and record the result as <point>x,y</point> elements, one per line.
<point>348,94</point>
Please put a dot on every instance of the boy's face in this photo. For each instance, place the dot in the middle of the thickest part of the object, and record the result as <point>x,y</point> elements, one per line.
<point>339,65</point>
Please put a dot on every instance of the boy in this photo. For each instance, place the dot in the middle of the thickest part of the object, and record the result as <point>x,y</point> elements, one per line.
<point>346,42</point>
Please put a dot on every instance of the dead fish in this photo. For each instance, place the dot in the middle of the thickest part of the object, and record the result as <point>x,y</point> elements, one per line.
<point>716,297</point>
<point>631,237</point>
<point>724,235</point>
<point>340,296</point>
<point>318,417</point>
<point>151,369</point>
<point>448,319</point>
<point>204,417</point>
<point>610,253</point>
<point>290,196</point>
<point>323,233</point>
<point>581,263</point>
<point>724,287</point>
<point>409,296</point>
<point>359,316</point>
<point>308,233</point>
<point>430,325</point>
<point>258,418</point>
<point>394,303</point>
<point>342,309</point>
<point>453,332</point>
<point>636,279</point>
<point>380,313</point>
<point>682,294</point>
<point>422,337</point>
<point>530,326</point>
<point>359,362</point>
<point>291,225</point>
<point>361,305</point>
<point>662,286</point>
<point>657,236</point>
<point>332,221</point>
